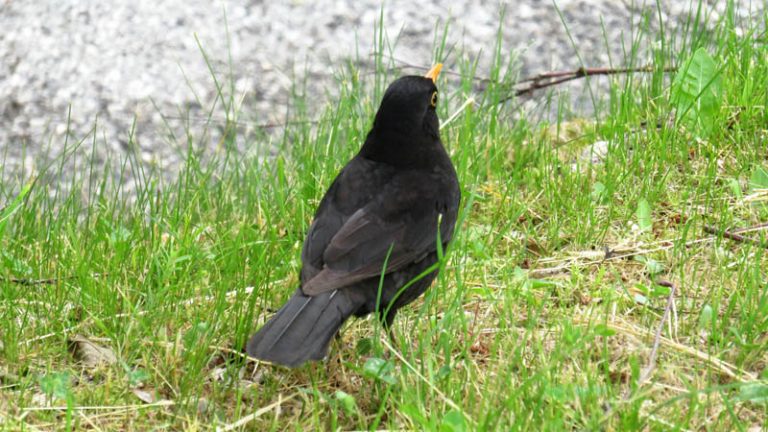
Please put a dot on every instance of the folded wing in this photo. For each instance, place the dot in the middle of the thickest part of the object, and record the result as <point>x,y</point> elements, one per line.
<point>386,235</point>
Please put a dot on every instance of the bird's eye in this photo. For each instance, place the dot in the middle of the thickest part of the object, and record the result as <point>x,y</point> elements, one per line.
<point>433,101</point>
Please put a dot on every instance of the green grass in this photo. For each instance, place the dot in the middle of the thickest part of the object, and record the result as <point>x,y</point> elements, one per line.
<point>172,276</point>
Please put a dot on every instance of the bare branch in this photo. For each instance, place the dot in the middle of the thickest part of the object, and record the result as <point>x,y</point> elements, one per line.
<point>553,78</point>
<point>732,234</point>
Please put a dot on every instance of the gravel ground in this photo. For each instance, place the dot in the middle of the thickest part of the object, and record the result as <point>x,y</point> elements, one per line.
<point>120,61</point>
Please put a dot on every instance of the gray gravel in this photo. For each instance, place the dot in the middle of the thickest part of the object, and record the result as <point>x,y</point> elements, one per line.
<point>123,61</point>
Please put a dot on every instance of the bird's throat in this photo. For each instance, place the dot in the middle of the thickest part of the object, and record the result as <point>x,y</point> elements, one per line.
<point>400,149</point>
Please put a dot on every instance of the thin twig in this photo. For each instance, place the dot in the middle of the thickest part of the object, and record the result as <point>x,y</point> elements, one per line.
<point>262,126</point>
<point>161,403</point>
<point>49,281</point>
<point>536,82</point>
<point>730,370</point>
<point>612,256</point>
<point>732,235</point>
<point>553,78</point>
<point>758,227</point>
<point>261,411</point>
<point>727,369</point>
<point>214,348</point>
<point>30,282</point>
<point>550,78</point>
<point>573,261</point>
<point>646,373</point>
<point>89,421</point>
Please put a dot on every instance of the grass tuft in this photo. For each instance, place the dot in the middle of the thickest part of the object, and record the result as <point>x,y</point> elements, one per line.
<point>545,312</point>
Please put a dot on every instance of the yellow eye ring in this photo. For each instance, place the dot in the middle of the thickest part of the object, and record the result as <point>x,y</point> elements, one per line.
<point>433,101</point>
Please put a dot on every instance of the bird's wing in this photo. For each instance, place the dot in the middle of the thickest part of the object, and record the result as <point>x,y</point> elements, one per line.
<point>399,231</point>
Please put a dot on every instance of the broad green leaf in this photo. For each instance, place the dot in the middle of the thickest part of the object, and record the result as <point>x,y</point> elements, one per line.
<point>604,330</point>
<point>453,421</point>
<point>55,384</point>
<point>15,265</point>
<point>542,283</point>
<point>347,402</point>
<point>443,372</point>
<point>521,276</point>
<point>651,265</point>
<point>598,192</point>
<point>417,416</point>
<point>643,214</point>
<point>697,93</point>
<point>380,369</point>
<point>136,377</point>
<point>650,291</point>
<point>119,234</point>
<point>706,317</point>
<point>753,392</point>
<point>733,184</point>
<point>659,291</point>
<point>759,179</point>
<point>640,299</point>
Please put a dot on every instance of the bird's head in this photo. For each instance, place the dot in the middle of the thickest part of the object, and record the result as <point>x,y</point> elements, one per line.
<point>406,119</point>
<point>409,104</point>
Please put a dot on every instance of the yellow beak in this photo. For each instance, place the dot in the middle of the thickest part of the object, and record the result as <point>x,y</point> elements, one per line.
<point>434,72</point>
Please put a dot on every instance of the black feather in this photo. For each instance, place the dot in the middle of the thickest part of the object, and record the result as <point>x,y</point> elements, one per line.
<point>386,205</point>
<point>302,329</point>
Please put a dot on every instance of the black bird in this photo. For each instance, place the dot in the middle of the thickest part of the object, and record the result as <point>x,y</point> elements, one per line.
<point>382,212</point>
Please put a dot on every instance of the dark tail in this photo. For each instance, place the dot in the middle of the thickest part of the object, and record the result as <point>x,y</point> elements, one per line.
<point>302,329</point>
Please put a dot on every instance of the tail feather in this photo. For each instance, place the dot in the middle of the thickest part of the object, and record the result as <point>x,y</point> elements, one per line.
<point>302,329</point>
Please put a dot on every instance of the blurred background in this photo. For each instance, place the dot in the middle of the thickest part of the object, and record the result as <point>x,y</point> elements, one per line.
<point>140,75</point>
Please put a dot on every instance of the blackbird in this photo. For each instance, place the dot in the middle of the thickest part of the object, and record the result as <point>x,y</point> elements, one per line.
<point>382,214</point>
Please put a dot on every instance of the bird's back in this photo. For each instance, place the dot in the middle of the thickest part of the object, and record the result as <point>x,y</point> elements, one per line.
<point>400,194</point>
